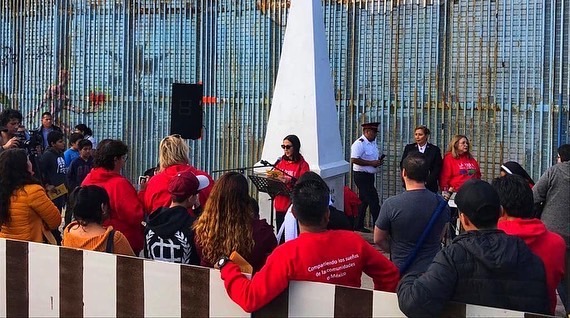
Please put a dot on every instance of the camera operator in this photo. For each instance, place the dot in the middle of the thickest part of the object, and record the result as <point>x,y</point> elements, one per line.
<point>10,120</point>
<point>23,133</point>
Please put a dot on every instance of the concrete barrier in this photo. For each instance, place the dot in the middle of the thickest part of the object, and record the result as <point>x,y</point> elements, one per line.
<point>41,280</point>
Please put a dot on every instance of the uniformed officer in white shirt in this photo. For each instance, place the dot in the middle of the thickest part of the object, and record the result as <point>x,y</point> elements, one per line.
<point>365,159</point>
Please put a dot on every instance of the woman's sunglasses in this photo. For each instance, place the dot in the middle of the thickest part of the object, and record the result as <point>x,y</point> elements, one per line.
<point>286,147</point>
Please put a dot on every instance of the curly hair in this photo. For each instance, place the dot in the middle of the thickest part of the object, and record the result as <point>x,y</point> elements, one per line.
<point>8,114</point>
<point>452,147</point>
<point>14,175</point>
<point>225,225</point>
<point>172,150</point>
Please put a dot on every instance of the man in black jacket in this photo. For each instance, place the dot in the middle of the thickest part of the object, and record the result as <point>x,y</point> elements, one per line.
<point>47,127</point>
<point>483,266</point>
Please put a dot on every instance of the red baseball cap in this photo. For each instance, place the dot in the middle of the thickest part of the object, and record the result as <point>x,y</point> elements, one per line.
<point>185,184</point>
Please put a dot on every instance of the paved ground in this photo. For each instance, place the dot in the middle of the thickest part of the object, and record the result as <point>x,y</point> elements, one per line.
<point>366,280</point>
<point>368,284</point>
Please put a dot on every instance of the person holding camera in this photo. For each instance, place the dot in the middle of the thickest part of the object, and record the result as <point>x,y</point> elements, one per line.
<point>10,120</point>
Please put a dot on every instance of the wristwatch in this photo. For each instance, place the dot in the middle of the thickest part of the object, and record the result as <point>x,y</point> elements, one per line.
<point>222,262</point>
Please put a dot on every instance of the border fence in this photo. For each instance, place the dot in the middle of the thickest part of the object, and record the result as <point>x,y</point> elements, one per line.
<point>496,71</point>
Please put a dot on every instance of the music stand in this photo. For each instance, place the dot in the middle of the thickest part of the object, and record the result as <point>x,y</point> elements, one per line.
<point>271,186</point>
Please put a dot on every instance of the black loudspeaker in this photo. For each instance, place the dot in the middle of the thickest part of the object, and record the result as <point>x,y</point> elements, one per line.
<point>186,116</point>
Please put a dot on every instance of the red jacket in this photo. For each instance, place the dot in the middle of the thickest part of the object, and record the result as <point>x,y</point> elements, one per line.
<point>295,169</point>
<point>549,246</point>
<point>126,211</point>
<point>456,171</point>
<point>265,243</point>
<point>351,202</point>
<point>156,194</point>
<point>333,256</point>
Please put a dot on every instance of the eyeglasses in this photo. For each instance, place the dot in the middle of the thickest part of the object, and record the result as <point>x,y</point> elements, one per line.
<point>286,147</point>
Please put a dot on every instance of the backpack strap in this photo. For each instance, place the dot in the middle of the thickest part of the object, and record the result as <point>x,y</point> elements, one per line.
<point>110,242</point>
<point>412,256</point>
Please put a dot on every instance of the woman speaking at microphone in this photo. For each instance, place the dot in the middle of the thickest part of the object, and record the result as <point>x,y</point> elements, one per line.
<point>291,165</point>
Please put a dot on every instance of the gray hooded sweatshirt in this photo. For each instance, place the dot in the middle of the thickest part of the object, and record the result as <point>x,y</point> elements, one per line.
<point>553,188</point>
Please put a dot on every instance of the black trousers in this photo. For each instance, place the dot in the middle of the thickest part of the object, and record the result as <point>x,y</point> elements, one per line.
<point>368,194</point>
<point>279,219</point>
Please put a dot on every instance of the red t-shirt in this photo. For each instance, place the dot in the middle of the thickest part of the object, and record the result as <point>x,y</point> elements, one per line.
<point>295,169</point>
<point>549,246</point>
<point>333,256</point>
<point>456,171</point>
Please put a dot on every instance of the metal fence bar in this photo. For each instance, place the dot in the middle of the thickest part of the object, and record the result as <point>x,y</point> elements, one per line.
<point>493,70</point>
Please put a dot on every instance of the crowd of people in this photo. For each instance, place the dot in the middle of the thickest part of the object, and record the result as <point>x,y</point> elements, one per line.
<point>512,252</point>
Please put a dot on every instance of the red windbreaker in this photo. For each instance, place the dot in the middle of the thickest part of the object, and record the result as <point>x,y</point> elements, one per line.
<point>549,246</point>
<point>156,194</point>
<point>126,211</point>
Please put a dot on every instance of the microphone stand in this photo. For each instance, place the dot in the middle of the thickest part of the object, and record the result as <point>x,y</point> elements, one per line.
<point>274,167</point>
<point>241,170</point>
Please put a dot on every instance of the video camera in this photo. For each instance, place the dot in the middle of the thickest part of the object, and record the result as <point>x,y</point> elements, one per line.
<point>31,142</point>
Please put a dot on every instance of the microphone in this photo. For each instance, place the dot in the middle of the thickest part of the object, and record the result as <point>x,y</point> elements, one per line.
<point>267,163</point>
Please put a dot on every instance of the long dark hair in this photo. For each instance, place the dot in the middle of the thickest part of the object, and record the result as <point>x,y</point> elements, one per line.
<point>294,140</point>
<point>14,175</point>
<point>85,204</point>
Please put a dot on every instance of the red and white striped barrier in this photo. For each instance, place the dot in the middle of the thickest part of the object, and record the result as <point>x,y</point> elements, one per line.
<point>41,280</point>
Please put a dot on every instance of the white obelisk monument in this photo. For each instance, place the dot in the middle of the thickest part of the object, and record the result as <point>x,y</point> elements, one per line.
<point>303,102</point>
